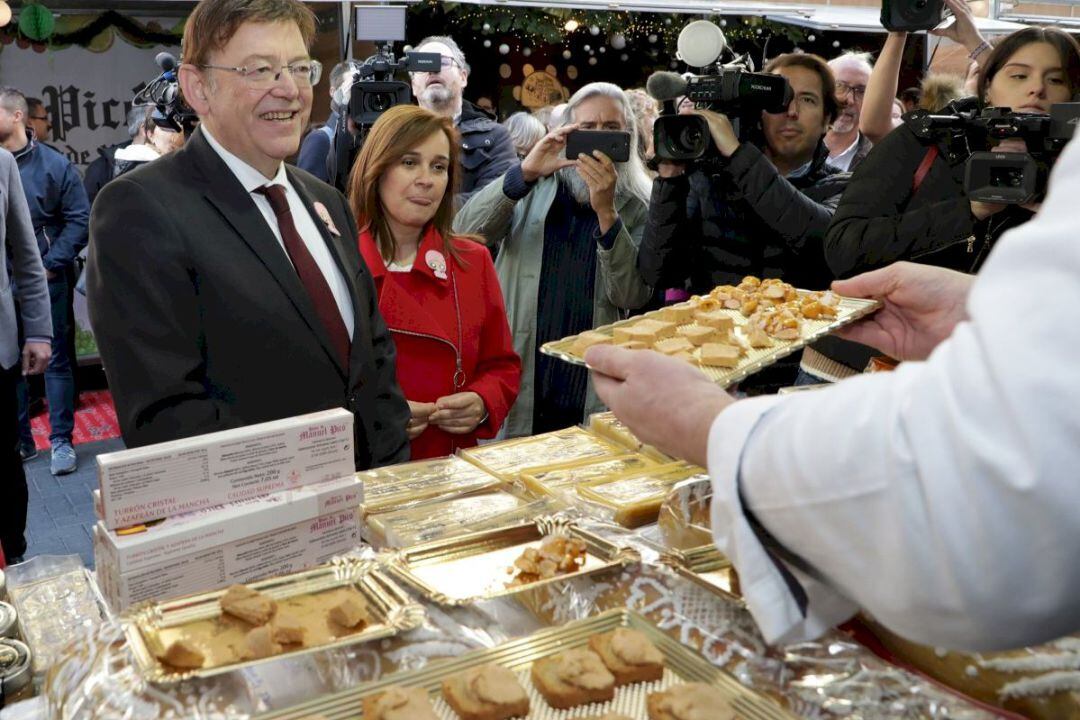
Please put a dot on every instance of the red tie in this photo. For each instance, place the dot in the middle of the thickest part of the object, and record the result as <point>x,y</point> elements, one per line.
<point>308,270</point>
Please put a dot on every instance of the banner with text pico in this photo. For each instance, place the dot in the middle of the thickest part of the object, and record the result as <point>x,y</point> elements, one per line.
<point>86,93</point>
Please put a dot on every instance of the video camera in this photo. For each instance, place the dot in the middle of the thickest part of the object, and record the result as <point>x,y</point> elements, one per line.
<point>366,94</point>
<point>1000,177</point>
<point>733,89</point>
<point>163,93</point>
<point>912,15</point>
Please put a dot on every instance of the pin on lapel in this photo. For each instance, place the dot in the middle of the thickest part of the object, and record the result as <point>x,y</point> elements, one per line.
<point>324,215</point>
<point>436,262</point>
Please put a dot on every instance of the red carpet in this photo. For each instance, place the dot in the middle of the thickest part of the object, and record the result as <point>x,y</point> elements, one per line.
<point>95,420</point>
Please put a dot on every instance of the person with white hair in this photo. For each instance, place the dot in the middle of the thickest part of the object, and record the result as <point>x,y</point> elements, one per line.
<point>567,233</point>
<point>847,145</point>
<point>486,149</point>
<point>103,168</point>
<point>525,131</point>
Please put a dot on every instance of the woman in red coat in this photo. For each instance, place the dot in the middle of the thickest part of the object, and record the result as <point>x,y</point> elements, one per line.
<point>438,294</point>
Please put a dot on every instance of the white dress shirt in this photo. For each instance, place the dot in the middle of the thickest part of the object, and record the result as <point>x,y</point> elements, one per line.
<point>944,497</point>
<point>843,160</point>
<point>252,180</point>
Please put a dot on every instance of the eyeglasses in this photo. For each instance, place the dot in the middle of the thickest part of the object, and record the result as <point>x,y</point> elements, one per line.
<point>842,88</point>
<point>304,73</point>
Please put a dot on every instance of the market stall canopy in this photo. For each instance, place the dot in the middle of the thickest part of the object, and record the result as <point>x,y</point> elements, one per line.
<point>866,19</point>
<point>693,7</point>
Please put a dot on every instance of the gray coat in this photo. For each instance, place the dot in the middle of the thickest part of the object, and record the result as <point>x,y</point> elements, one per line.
<point>517,227</point>
<point>30,286</point>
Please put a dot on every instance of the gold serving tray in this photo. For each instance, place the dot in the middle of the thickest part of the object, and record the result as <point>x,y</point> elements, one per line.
<point>564,477</point>
<point>636,497</point>
<point>473,567</point>
<point>154,626</point>
<point>848,311</point>
<point>508,458</point>
<point>708,567</point>
<point>681,665</point>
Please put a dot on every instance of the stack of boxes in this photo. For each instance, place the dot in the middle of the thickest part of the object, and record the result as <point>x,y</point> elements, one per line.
<point>235,506</point>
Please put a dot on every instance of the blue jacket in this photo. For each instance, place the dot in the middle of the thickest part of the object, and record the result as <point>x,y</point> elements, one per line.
<point>58,205</point>
<point>316,147</point>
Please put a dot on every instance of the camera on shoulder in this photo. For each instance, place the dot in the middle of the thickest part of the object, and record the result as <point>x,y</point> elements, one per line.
<point>733,89</point>
<point>990,176</point>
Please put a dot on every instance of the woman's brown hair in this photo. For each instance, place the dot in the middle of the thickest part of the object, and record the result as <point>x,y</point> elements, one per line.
<point>1066,46</point>
<point>396,132</point>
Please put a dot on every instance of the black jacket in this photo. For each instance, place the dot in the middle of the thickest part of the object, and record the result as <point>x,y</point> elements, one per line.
<point>101,170</point>
<point>487,151</point>
<point>722,221</point>
<point>880,220</point>
<point>204,325</point>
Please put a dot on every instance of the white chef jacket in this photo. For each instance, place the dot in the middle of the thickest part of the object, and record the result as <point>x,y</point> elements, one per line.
<point>944,497</point>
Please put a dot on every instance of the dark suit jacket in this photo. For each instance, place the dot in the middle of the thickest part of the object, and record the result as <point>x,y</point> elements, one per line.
<point>203,324</point>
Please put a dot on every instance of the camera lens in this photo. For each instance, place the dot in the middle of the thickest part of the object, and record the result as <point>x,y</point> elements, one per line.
<point>380,102</point>
<point>690,139</point>
<point>1006,177</point>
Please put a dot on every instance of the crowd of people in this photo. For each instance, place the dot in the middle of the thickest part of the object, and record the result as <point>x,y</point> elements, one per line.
<point>419,298</point>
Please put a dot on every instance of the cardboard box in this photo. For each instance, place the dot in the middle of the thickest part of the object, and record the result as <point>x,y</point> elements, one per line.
<point>182,476</point>
<point>235,543</point>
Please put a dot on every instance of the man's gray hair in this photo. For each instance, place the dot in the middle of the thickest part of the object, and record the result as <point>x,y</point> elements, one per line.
<point>859,61</point>
<point>337,75</point>
<point>633,178</point>
<point>136,119</point>
<point>455,51</point>
<point>12,100</point>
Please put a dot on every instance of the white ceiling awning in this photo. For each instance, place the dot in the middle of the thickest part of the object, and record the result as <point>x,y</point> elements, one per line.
<point>866,19</point>
<point>691,7</point>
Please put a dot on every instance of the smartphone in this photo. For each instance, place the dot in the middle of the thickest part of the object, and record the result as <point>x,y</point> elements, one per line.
<point>613,143</point>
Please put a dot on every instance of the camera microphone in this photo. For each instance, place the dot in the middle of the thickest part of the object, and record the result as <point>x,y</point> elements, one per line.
<point>664,86</point>
<point>165,61</point>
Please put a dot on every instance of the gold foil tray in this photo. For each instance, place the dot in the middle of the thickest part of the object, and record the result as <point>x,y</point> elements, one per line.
<point>508,458</point>
<point>848,311</point>
<point>473,567</point>
<point>681,665</point>
<point>307,595</point>
<point>708,567</point>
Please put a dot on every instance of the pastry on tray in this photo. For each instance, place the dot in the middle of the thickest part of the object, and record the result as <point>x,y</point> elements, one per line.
<point>183,654</point>
<point>572,678</point>
<point>486,692</point>
<point>287,629</point>
<point>248,605</point>
<point>260,643</point>
<point>692,701</point>
<point>557,555</point>
<point>399,703</point>
<point>629,655</point>
<point>349,613</point>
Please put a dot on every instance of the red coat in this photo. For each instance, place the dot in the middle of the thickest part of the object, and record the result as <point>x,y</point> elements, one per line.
<point>418,307</point>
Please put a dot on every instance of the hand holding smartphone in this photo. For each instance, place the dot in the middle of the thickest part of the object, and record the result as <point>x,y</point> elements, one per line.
<point>613,143</point>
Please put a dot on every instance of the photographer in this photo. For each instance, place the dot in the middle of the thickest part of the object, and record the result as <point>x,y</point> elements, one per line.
<point>937,224</point>
<point>751,211</point>
<point>907,201</point>
<point>567,233</point>
<point>486,149</point>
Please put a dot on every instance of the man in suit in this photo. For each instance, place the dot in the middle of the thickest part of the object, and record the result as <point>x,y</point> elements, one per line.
<point>225,288</point>
<point>17,242</point>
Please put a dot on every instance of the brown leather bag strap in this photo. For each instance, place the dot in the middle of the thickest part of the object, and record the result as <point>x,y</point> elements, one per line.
<point>924,168</point>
